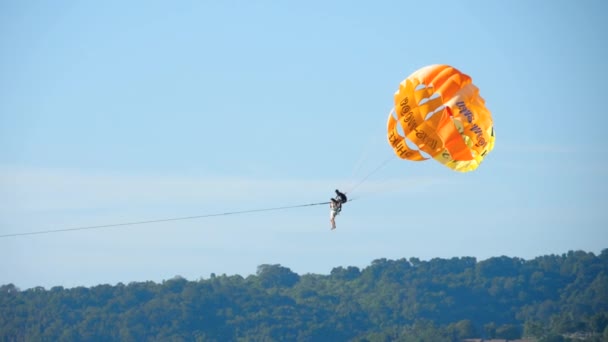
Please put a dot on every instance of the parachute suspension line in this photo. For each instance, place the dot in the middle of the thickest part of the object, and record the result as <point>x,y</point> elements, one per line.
<point>363,158</point>
<point>378,168</point>
<point>161,220</point>
<point>367,154</point>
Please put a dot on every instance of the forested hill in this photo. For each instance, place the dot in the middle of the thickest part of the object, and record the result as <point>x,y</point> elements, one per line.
<point>548,297</point>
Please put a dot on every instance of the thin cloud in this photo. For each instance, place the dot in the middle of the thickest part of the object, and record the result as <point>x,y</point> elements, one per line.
<point>44,189</point>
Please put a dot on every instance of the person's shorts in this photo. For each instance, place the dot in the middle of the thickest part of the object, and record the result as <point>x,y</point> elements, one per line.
<point>332,214</point>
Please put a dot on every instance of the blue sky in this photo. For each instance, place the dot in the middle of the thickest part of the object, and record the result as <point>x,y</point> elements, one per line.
<point>143,110</point>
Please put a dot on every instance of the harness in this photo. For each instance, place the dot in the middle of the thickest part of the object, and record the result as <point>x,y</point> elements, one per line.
<point>338,201</point>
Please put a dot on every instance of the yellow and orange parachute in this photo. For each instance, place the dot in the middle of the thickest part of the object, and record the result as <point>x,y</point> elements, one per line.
<point>438,109</point>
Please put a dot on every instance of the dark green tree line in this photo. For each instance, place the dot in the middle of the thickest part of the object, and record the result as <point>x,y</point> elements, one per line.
<point>551,297</point>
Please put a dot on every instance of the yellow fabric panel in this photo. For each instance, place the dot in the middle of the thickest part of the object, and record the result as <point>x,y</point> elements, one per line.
<point>435,119</point>
<point>406,108</point>
<point>426,138</point>
<point>454,143</point>
<point>430,106</point>
<point>452,86</point>
<point>398,143</point>
<point>423,93</point>
<point>427,74</point>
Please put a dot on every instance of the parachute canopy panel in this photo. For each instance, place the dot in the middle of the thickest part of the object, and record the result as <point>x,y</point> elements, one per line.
<point>439,110</point>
